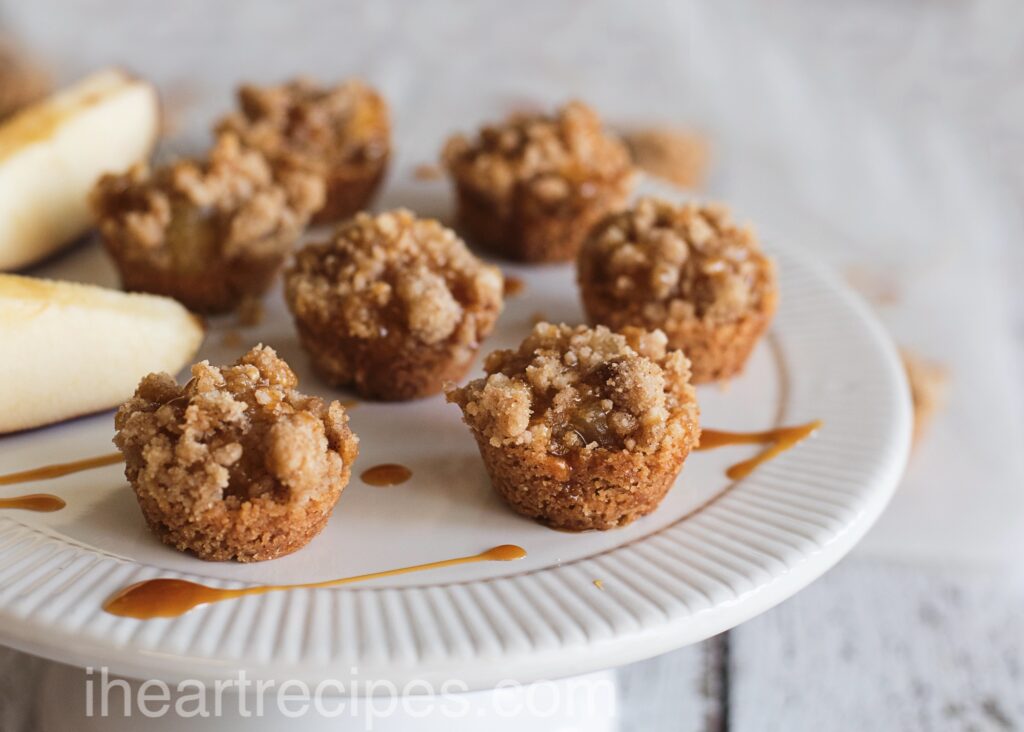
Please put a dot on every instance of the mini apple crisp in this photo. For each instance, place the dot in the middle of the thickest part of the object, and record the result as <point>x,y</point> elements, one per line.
<point>583,428</point>
<point>209,233</point>
<point>686,269</point>
<point>237,463</point>
<point>340,133</point>
<point>531,187</point>
<point>392,305</point>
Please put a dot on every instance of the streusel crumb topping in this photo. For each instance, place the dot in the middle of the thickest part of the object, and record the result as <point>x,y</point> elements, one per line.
<point>394,270</point>
<point>677,262</point>
<point>194,209</point>
<point>313,126</point>
<point>233,434</point>
<point>553,155</point>
<point>576,389</point>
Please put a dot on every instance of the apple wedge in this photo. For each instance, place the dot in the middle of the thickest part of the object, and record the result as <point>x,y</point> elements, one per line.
<point>70,349</point>
<point>52,152</point>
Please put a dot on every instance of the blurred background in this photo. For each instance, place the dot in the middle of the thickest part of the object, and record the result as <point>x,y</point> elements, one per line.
<point>883,138</point>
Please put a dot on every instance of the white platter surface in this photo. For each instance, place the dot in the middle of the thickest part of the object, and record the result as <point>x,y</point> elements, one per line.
<point>714,554</point>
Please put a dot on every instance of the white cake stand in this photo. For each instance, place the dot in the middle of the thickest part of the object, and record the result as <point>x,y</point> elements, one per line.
<point>715,553</point>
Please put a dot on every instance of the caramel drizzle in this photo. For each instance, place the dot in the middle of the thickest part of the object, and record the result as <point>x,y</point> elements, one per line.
<point>779,440</point>
<point>385,475</point>
<point>60,469</point>
<point>45,502</point>
<point>41,502</point>
<point>513,286</point>
<point>169,598</point>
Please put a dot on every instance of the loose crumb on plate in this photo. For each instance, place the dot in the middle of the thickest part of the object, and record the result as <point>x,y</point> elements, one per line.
<point>250,312</point>
<point>232,338</point>
<point>428,171</point>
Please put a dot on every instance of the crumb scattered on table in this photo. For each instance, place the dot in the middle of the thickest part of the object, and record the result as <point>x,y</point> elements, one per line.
<point>23,80</point>
<point>599,585</point>
<point>929,385</point>
<point>680,156</point>
<point>878,287</point>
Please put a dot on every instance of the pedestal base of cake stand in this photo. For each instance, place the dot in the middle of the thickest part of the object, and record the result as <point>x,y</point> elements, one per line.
<point>582,703</point>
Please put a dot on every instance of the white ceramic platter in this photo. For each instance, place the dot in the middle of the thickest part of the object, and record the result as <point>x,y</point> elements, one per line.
<point>713,555</point>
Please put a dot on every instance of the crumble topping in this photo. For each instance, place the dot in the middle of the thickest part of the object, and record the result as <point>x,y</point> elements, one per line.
<point>185,213</point>
<point>311,126</point>
<point>571,389</point>
<point>676,263</point>
<point>393,271</point>
<point>553,155</point>
<point>233,435</point>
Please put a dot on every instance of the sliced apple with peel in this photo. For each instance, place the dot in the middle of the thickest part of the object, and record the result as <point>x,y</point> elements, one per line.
<point>70,349</point>
<point>52,152</point>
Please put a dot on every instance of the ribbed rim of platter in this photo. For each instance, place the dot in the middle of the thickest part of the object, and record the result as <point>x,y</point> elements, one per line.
<point>754,545</point>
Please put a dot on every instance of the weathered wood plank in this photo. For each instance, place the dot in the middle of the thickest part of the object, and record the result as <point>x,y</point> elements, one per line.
<point>680,691</point>
<point>884,646</point>
<point>20,675</point>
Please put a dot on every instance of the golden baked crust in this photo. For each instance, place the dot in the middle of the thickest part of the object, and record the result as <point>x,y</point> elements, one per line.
<point>583,428</point>
<point>531,187</point>
<point>236,464</point>
<point>686,269</point>
<point>393,305</point>
<point>341,134</point>
<point>208,233</point>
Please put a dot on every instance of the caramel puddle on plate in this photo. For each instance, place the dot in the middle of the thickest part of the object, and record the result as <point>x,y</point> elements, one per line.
<point>387,474</point>
<point>779,440</point>
<point>41,502</point>
<point>513,286</point>
<point>60,469</point>
<point>169,598</point>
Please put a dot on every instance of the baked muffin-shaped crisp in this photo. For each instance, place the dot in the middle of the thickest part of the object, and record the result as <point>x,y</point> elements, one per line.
<point>583,428</point>
<point>236,464</point>
<point>340,133</point>
<point>686,269</point>
<point>209,233</point>
<point>392,305</point>
<point>532,187</point>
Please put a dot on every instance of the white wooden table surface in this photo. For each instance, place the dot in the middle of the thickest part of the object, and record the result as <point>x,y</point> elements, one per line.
<point>924,637</point>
